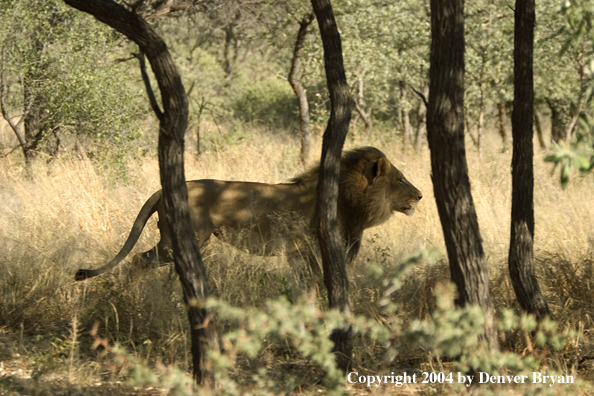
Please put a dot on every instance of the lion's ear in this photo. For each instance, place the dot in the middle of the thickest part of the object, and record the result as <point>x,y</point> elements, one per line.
<point>382,168</point>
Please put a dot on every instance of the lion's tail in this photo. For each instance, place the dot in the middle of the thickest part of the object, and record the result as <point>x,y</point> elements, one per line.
<point>148,209</point>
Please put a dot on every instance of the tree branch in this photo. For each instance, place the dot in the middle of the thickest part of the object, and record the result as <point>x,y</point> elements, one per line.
<point>420,95</point>
<point>147,85</point>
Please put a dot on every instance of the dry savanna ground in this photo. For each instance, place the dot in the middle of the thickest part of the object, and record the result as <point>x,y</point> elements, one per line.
<point>64,215</point>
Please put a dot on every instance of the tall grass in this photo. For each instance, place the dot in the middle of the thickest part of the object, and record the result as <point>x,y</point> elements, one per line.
<point>63,215</point>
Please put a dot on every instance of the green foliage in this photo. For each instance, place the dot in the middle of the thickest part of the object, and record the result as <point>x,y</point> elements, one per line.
<point>65,61</point>
<point>221,140</point>
<point>451,332</point>
<point>567,158</point>
<point>270,101</point>
<point>457,333</point>
<point>489,30</point>
<point>302,324</point>
<point>385,43</point>
<point>556,64</point>
<point>577,34</point>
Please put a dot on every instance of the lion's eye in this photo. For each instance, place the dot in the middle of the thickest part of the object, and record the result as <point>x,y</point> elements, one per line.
<point>402,181</point>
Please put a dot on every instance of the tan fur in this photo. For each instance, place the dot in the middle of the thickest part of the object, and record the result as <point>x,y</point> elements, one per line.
<point>266,219</point>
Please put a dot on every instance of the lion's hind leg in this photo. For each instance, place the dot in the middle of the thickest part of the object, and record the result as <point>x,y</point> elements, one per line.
<point>156,257</point>
<point>162,254</point>
<point>308,271</point>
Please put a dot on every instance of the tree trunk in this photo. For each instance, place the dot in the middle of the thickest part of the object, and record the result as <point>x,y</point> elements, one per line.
<point>404,119</point>
<point>198,149</point>
<point>407,128</point>
<point>172,126</point>
<point>521,266</point>
<point>539,133</point>
<point>16,128</point>
<point>421,122</point>
<point>332,249</point>
<point>451,185</point>
<point>35,118</point>
<point>502,131</point>
<point>557,124</point>
<point>295,80</point>
<point>231,45</point>
<point>359,103</point>
<point>479,124</point>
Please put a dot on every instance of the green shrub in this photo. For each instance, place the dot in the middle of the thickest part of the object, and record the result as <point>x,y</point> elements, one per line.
<point>271,102</point>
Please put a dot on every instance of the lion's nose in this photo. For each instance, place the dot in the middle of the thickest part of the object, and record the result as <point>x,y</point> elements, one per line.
<point>420,196</point>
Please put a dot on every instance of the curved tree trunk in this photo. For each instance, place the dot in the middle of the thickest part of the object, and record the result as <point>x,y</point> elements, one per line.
<point>521,266</point>
<point>451,185</point>
<point>333,252</point>
<point>295,80</point>
<point>172,126</point>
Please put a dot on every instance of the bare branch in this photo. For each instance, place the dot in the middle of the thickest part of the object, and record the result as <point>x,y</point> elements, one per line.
<point>4,155</point>
<point>421,95</point>
<point>120,60</point>
<point>147,84</point>
<point>191,88</point>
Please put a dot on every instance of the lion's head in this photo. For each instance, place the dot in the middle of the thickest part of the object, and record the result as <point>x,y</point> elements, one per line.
<point>372,185</point>
<point>371,188</point>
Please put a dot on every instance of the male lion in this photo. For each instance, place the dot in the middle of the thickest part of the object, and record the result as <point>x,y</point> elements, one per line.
<point>266,219</point>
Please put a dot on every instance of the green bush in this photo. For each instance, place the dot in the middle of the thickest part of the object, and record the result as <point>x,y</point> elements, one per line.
<point>65,63</point>
<point>271,102</point>
<point>454,333</point>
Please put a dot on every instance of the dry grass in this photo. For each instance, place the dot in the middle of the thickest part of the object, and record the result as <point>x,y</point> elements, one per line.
<point>66,216</point>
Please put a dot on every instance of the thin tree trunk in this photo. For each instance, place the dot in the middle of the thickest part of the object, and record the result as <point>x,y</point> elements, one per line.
<point>399,123</point>
<point>16,127</point>
<point>172,126</point>
<point>407,128</point>
<point>451,184</point>
<point>575,114</point>
<point>35,120</point>
<point>481,116</point>
<point>469,130</point>
<point>359,106</point>
<point>479,125</point>
<point>404,119</point>
<point>421,122</point>
<point>366,118</point>
<point>32,134</point>
<point>569,131</point>
<point>295,80</point>
<point>231,45</point>
<point>201,108</point>
<point>333,252</point>
<point>198,132</point>
<point>521,265</point>
<point>502,131</point>
<point>539,133</point>
<point>557,128</point>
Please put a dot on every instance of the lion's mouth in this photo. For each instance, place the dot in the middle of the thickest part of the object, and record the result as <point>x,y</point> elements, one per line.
<point>408,210</point>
